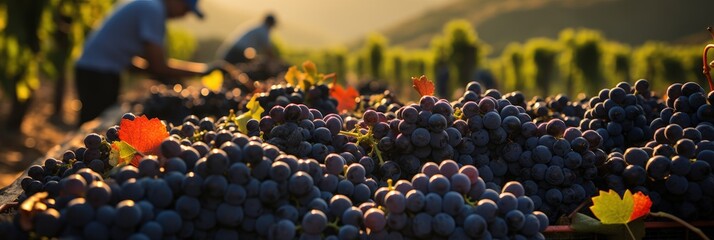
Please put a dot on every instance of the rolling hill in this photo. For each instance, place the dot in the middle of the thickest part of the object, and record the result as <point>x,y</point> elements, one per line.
<point>499,22</point>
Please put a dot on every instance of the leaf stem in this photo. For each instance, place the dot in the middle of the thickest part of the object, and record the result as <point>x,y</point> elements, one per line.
<point>680,221</point>
<point>630,231</point>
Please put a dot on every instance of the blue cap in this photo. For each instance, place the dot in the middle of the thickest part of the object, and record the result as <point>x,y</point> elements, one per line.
<point>193,5</point>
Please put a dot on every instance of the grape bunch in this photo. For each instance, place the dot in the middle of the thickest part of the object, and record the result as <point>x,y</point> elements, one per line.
<point>619,117</point>
<point>304,133</point>
<point>385,102</point>
<point>446,200</point>
<point>317,97</point>
<point>46,177</point>
<point>675,183</point>
<point>172,106</point>
<point>558,107</point>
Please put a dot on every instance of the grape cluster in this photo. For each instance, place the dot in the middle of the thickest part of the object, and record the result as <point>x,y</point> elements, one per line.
<point>558,107</point>
<point>450,201</point>
<point>317,97</point>
<point>47,177</point>
<point>675,183</point>
<point>675,167</point>
<point>172,106</point>
<point>617,115</point>
<point>385,102</point>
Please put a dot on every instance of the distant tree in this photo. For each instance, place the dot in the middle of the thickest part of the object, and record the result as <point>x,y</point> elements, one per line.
<point>375,49</point>
<point>540,66</point>
<point>396,66</point>
<point>618,63</point>
<point>441,67</point>
<point>20,47</point>
<point>464,50</point>
<point>512,67</point>
<point>336,62</point>
<point>582,60</point>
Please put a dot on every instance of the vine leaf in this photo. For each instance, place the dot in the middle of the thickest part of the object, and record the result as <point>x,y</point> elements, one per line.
<point>641,207</point>
<point>610,208</point>
<point>139,137</point>
<point>254,112</point>
<point>345,97</point>
<point>423,85</point>
<point>213,81</point>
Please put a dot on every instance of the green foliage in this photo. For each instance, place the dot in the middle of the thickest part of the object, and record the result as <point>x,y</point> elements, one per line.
<point>617,63</point>
<point>512,75</point>
<point>463,50</point>
<point>664,64</point>
<point>581,62</point>
<point>540,64</point>
<point>335,61</point>
<point>375,50</point>
<point>42,35</point>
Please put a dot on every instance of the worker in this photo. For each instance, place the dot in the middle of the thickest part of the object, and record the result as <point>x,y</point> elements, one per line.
<point>133,35</point>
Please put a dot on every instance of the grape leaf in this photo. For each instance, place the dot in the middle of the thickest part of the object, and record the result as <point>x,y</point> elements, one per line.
<point>310,70</point>
<point>610,208</point>
<point>254,112</point>
<point>423,85</point>
<point>293,76</point>
<point>345,97</point>
<point>641,207</point>
<point>143,134</point>
<point>123,153</point>
<point>213,81</point>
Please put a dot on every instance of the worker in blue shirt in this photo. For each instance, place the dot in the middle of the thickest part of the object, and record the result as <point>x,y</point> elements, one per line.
<point>133,35</point>
<point>253,44</point>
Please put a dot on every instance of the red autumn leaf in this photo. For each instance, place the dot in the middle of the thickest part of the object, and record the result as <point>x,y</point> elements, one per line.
<point>143,134</point>
<point>423,85</point>
<point>345,97</point>
<point>641,205</point>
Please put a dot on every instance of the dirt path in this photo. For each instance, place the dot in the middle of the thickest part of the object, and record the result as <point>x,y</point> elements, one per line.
<point>37,136</point>
<point>41,130</point>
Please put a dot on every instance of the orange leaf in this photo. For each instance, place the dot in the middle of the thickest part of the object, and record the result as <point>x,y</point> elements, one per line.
<point>423,85</point>
<point>642,204</point>
<point>345,97</point>
<point>143,134</point>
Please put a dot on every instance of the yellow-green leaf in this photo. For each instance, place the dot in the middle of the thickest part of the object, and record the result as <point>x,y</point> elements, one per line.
<point>213,81</point>
<point>254,111</point>
<point>123,151</point>
<point>310,68</point>
<point>292,76</point>
<point>610,208</point>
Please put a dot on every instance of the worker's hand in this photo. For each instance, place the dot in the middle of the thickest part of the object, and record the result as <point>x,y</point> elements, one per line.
<point>220,65</point>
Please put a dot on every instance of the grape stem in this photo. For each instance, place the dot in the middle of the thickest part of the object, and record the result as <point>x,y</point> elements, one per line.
<point>680,221</point>
<point>705,65</point>
<point>366,138</point>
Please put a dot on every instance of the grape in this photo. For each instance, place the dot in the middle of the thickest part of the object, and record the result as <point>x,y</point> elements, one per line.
<point>229,215</point>
<point>658,167</point>
<point>443,224</point>
<point>285,229</point>
<point>439,184</point>
<point>334,164</point>
<point>128,214</point>
<point>676,184</point>
<point>422,224</point>
<point>47,222</point>
<point>395,202</point>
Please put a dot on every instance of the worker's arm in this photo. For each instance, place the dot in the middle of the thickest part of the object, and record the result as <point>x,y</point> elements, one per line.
<point>155,62</point>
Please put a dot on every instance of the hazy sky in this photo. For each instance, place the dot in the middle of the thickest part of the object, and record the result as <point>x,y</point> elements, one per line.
<point>324,20</point>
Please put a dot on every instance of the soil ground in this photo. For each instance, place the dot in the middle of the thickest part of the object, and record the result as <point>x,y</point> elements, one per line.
<point>43,129</point>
